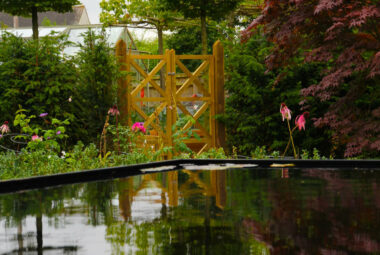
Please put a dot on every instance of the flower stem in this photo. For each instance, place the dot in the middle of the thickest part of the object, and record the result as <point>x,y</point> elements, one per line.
<point>287,146</point>
<point>291,139</point>
<point>286,149</point>
<point>117,134</point>
<point>103,137</point>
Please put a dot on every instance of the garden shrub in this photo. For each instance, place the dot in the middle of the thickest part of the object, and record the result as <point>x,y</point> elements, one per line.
<point>95,93</point>
<point>252,114</point>
<point>36,75</point>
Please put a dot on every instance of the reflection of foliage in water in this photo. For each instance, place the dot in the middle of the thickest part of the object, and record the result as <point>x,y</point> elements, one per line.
<point>16,207</point>
<point>98,198</point>
<point>264,210</point>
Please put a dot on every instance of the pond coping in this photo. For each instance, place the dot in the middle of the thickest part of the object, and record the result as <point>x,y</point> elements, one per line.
<point>22,184</point>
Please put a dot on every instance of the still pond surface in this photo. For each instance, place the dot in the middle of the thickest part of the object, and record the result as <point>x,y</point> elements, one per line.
<point>252,211</point>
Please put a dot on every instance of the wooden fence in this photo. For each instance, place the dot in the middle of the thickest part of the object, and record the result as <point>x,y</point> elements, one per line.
<point>170,97</point>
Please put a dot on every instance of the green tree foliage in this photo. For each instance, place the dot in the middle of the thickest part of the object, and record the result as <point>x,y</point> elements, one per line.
<point>140,12</point>
<point>147,46</point>
<point>245,10</point>
<point>186,41</point>
<point>96,91</point>
<point>252,114</point>
<point>35,75</point>
<point>203,9</point>
<point>30,8</point>
<point>150,12</point>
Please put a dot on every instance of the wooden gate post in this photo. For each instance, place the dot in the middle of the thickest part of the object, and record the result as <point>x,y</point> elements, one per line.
<point>122,87</point>
<point>220,130</point>
<point>171,89</point>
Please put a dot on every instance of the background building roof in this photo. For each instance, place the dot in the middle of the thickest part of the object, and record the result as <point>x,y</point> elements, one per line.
<point>78,16</point>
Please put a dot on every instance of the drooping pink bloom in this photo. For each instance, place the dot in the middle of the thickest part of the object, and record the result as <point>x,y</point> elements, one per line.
<point>301,120</point>
<point>139,126</point>
<point>113,111</point>
<point>285,112</point>
<point>36,138</point>
<point>4,128</point>
<point>44,114</point>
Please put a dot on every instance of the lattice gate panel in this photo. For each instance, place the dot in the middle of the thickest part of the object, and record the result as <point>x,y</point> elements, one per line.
<point>170,99</point>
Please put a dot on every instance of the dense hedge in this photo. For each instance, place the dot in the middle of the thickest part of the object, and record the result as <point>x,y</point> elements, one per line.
<point>39,77</point>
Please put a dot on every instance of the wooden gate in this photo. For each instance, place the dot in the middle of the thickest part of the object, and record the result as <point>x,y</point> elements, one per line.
<point>171,98</point>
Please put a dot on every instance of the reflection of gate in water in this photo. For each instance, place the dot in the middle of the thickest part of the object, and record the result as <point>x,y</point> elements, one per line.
<point>171,191</point>
<point>200,95</point>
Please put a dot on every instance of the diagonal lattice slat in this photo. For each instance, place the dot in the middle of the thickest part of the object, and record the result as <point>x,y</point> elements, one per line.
<point>192,77</point>
<point>155,114</point>
<point>156,127</point>
<point>196,124</point>
<point>148,78</point>
<point>190,74</point>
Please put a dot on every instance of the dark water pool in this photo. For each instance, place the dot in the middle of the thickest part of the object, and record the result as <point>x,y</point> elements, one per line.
<point>255,211</point>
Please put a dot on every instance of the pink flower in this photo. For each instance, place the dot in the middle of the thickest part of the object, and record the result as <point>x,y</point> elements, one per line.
<point>285,112</point>
<point>139,126</point>
<point>58,132</point>
<point>36,138</point>
<point>113,111</point>
<point>301,120</point>
<point>4,128</point>
<point>43,114</point>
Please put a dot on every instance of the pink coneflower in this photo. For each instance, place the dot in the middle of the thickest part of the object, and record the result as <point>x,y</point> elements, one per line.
<point>44,114</point>
<point>285,112</point>
<point>36,138</point>
<point>139,126</point>
<point>4,128</point>
<point>301,120</point>
<point>113,111</point>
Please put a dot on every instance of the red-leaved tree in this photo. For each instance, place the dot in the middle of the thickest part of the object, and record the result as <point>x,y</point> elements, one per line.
<point>346,35</point>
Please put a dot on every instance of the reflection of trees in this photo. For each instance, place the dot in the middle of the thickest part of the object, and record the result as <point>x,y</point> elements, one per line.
<point>322,213</point>
<point>14,208</point>
<point>219,212</point>
<point>97,196</point>
<point>318,212</point>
